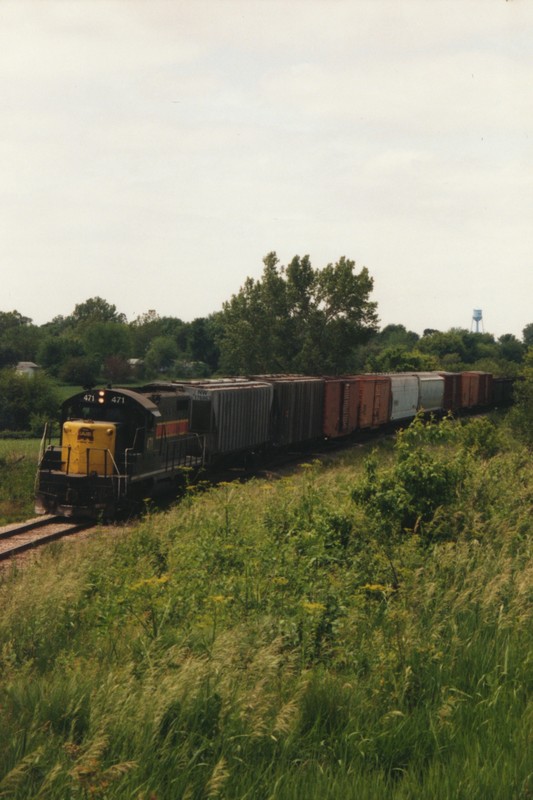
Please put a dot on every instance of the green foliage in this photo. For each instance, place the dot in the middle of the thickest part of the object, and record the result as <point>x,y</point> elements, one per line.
<point>522,414</point>
<point>19,338</point>
<point>18,462</point>
<point>79,370</point>
<point>397,358</point>
<point>511,349</point>
<point>54,352</point>
<point>105,339</point>
<point>252,642</point>
<point>407,495</point>
<point>116,369</point>
<point>527,335</point>
<point>96,310</point>
<point>161,354</point>
<point>25,398</point>
<point>297,318</point>
<point>459,349</point>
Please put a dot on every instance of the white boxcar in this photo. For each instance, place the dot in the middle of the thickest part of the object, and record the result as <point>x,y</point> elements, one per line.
<point>404,396</point>
<point>431,391</point>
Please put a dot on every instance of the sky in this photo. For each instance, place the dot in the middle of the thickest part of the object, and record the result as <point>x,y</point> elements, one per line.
<point>153,152</point>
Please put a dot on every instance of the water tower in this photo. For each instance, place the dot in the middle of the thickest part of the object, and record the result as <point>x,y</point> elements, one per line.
<point>477,318</point>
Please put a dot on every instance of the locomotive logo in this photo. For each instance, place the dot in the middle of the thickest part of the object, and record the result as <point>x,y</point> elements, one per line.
<point>85,435</point>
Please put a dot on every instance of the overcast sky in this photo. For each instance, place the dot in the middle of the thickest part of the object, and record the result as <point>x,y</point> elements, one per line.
<point>153,153</point>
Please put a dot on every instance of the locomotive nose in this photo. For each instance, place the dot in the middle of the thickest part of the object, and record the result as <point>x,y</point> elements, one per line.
<point>88,448</point>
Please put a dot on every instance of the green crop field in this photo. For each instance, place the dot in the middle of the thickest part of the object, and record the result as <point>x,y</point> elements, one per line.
<point>361,629</point>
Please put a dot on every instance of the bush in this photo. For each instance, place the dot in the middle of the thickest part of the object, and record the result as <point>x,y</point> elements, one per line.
<point>522,414</point>
<point>79,370</point>
<point>422,480</point>
<point>25,401</point>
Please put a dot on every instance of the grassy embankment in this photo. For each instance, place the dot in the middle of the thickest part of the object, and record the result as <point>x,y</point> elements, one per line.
<point>357,631</point>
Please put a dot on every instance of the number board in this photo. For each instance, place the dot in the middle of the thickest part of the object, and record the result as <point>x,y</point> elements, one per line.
<point>104,397</point>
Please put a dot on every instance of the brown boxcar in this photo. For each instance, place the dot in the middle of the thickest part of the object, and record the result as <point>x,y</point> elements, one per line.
<point>476,389</point>
<point>297,410</point>
<point>469,389</point>
<point>341,406</point>
<point>485,388</point>
<point>452,391</point>
<point>502,391</point>
<point>374,400</point>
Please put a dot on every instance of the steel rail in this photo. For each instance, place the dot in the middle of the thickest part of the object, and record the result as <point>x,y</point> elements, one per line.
<point>61,528</point>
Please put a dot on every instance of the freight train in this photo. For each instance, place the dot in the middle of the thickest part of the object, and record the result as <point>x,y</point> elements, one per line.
<point>119,446</point>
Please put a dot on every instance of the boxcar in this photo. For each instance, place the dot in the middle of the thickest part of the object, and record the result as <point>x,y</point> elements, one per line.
<point>404,391</point>
<point>341,406</point>
<point>469,389</point>
<point>452,391</point>
<point>502,391</point>
<point>430,391</point>
<point>485,388</point>
<point>297,408</point>
<point>374,400</point>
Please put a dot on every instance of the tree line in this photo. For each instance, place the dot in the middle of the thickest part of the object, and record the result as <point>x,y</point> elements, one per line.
<point>293,318</point>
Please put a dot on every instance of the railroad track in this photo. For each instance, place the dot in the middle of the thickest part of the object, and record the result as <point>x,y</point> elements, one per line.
<point>17,538</point>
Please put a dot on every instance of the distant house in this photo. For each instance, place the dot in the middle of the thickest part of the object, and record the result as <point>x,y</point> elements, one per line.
<point>136,366</point>
<point>27,368</point>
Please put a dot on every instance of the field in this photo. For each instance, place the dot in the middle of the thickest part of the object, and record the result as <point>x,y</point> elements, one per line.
<point>360,629</point>
<point>18,464</point>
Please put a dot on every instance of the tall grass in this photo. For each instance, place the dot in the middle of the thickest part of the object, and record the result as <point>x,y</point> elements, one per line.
<point>285,639</point>
<point>18,465</point>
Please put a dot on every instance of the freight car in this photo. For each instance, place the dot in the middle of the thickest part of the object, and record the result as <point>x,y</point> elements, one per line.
<point>118,446</point>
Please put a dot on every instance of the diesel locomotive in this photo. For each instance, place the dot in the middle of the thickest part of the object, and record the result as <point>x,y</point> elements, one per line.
<point>116,446</point>
<point>119,446</point>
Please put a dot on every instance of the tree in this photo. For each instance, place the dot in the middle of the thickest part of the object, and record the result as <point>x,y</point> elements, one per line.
<point>511,348</point>
<point>458,347</point>
<point>54,351</point>
<point>25,402</point>
<point>161,354</point>
<point>19,338</point>
<point>147,326</point>
<point>398,358</point>
<point>79,370</point>
<point>297,318</point>
<point>116,369</point>
<point>527,335</point>
<point>201,344</point>
<point>522,414</point>
<point>96,309</point>
<point>105,339</point>
<point>397,335</point>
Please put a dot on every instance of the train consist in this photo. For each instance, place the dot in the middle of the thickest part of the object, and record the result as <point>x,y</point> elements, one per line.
<point>119,446</point>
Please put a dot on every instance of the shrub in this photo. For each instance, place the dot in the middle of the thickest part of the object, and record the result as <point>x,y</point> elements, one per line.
<point>421,480</point>
<point>23,399</point>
